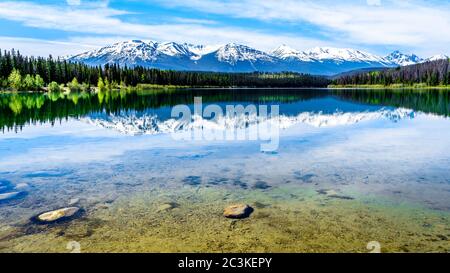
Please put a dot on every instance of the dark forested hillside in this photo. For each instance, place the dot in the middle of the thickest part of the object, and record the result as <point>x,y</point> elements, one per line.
<point>19,72</point>
<point>429,73</point>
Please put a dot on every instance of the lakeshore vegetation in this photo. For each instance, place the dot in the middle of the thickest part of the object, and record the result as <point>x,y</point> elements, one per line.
<point>23,73</point>
<point>18,72</point>
<point>435,74</point>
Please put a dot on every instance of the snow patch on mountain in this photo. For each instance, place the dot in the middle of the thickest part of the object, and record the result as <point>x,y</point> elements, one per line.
<point>344,55</point>
<point>436,57</point>
<point>233,53</point>
<point>174,49</point>
<point>285,52</point>
<point>201,50</point>
<point>328,54</point>
<point>402,59</point>
<point>129,53</point>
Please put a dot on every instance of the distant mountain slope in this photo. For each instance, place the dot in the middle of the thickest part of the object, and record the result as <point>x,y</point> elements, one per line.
<point>429,73</point>
<point>357,71</point>
<point>240,58</point>
<point>435,58</point>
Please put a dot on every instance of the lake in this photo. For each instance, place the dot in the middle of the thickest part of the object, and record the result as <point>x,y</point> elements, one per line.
<point>351,171</point>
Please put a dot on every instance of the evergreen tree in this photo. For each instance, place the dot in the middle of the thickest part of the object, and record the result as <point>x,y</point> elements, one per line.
<point>429,73</point>
<point>53,87</point>
<point>38,82</point>
<point>74,86</point>
<point>101,85</point>
<point>15,80</point>
<point>108,76</point>
<point>28,83</point>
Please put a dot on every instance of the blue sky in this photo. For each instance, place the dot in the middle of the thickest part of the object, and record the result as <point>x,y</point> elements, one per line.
<point>377,26</point>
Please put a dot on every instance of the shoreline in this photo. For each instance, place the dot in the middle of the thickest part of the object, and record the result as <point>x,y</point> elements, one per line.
<point>171,88</point>
<point>162,87</point>
<point>389,87</point>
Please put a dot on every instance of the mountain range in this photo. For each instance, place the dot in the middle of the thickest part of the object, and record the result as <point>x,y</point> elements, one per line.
<point>241,58</point>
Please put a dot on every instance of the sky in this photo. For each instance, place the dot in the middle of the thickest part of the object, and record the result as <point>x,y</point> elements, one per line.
<point>65,27</point>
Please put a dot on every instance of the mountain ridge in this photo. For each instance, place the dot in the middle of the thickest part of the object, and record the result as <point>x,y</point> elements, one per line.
<point>234,57</point>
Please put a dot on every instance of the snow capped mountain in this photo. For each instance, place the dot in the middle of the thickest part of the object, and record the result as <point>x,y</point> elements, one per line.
<point>241,58</point>
<point>337,55</point>
<point>344,55</point>
<point>285,52</point>
<point>401,59</point>
<point>436,57</point>
<point>123,53</point>
<point>233,53</point>
<point>200,50</point>
<point>195,52</point>
<point>174,49</point>
<point>168,55</point>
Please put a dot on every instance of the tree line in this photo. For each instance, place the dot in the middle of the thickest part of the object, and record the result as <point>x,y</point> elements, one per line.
<point>18,72</point>
<point>432,73</point>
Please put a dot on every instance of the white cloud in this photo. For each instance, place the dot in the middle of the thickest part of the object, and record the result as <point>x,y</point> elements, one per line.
<point>194,21</point>
<point>74,2</point>
<point>374,2</point>
<point>38,47</point>
<point>395,24</point>
<point>406,23</point>
<point>103,22</point>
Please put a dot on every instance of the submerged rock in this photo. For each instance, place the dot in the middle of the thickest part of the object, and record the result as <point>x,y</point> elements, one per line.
<point>237,211</point>
<point>167,206</point>
<point>73,201</point>
<point>334,194</point>
<point>192,180</point>
<point>326,192</point>
<point>241,184</point>
<point>218,181</point>
<point>344,197</point>
<point>260,205</point>
<point>57,215</point>
<point>306,178</point>
<point>261,185</point>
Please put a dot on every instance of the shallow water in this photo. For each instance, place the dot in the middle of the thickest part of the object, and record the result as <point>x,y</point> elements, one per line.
<point>352,166</point>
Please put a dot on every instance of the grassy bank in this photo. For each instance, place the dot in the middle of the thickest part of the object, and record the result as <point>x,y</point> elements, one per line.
<point>65,89</point>
<point>392,86</point>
